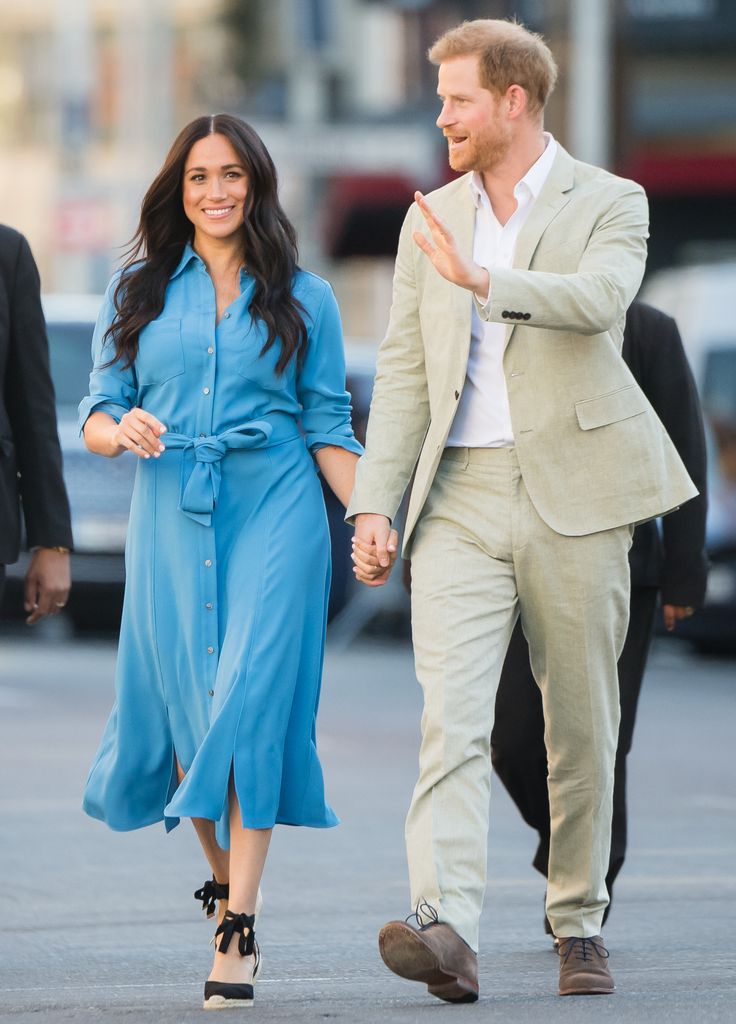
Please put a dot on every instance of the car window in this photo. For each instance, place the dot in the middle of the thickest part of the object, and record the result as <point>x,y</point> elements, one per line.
<point>71,361</point>
<point>719,382</point>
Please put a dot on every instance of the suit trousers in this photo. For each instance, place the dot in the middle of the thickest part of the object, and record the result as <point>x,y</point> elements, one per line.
<point>482,556</point>
<point>518,752</point>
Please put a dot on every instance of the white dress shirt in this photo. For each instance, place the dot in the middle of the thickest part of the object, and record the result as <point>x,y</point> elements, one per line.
<point>483,419</point>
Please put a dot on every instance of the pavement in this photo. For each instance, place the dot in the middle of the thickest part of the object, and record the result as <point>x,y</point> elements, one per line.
<point>97,926</point>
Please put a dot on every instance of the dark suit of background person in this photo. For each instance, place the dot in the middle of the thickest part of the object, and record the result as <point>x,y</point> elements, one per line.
<point>672,564</point>
<point>30,456</point>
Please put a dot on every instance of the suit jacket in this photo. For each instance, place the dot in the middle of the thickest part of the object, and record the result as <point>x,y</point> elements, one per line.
<point>30,456</point>
<point>592,452</point>
<point>674,559</point>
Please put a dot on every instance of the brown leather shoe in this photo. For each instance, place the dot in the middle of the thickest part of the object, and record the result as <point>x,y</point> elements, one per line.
<point>434,954</point>
<point>583,967</point>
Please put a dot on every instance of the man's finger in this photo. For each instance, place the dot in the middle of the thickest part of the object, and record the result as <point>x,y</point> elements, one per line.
<point>431,217</point>
<point>423,242</point>
<point>30,593</point>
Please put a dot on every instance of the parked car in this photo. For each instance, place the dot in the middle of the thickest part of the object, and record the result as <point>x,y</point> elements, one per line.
<point>700,298</point>
<point>100,489</point>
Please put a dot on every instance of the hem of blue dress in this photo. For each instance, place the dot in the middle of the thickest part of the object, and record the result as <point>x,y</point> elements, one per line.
<point>172,822</point>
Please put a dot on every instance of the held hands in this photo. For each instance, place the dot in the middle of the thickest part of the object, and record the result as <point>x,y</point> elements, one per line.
<point>140,433</point>
<point>374,549</point>
<point>444,254</point>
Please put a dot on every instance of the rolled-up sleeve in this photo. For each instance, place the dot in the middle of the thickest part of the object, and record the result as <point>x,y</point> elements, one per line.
<point>325,416</point>
<point>112,388</point>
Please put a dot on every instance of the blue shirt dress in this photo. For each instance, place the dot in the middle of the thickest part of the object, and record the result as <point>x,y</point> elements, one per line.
<point>227,562</point>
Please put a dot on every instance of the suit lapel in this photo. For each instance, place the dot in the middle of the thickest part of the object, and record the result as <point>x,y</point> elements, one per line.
<point>459,215</point>
<point>554,196</point>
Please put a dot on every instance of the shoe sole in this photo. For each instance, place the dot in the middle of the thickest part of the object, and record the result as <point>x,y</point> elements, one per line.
<point>406,954</point>
<point>223,1003</point>
<point>587,992</point>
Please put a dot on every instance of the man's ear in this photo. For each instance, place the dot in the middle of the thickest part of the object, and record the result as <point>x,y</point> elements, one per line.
<point>516,101</point>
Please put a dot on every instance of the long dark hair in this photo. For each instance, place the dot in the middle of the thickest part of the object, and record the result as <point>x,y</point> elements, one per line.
<point>269,245</point>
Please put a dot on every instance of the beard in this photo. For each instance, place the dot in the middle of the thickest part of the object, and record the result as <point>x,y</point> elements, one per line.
<point>484,152</point>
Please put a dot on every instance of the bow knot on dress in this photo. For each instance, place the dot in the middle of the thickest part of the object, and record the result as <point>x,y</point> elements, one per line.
<point>201,474</point>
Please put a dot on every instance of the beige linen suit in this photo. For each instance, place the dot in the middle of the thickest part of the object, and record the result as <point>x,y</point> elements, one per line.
<point>542,529</point>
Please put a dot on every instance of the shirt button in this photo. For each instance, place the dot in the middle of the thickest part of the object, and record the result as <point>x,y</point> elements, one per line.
<point>210,350</point>
<point>202,435</point>
<point>205,391</point>
<point>209,606</point>
<point>210,650</point>
<point>227,316</point>
<point>208,562</point>
<point>211,693</point>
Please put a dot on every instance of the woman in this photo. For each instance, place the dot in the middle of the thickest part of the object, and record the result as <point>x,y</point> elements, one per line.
<point>219,363</point>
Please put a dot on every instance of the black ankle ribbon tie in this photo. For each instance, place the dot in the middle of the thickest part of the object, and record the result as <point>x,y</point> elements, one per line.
<point>211,891</point>
<point>233,924</point>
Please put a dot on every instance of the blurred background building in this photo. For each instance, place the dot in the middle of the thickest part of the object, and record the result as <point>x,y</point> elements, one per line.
<point>93,91</point>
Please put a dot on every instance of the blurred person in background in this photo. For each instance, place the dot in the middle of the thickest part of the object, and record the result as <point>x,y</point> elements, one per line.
<point>30,456</point>
<point>670,564</point>
<point>219,363</point>
<point>501,380</point>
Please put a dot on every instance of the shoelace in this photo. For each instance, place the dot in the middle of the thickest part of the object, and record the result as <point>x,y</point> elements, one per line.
<point>233,924</point>
<point>584,949</point>
<point>211,890</point>
<point>423,910</point>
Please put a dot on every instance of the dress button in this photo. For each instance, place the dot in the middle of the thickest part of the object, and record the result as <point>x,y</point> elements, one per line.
<point>208,562</point>
<point>211,693</point>
<point>505,314</point>
<point>527,316</point>
<point>209,606</point>
<point>210,650</point>
<point>210,350</point>
<point>205,391</point>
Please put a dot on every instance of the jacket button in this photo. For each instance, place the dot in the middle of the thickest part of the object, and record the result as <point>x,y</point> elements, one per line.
<point>457,395</point>
<point>505,314</point>
<point>527,316</point>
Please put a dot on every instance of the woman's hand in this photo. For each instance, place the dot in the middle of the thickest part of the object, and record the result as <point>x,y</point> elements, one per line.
<point>374,549</point>
<point>140,433</point>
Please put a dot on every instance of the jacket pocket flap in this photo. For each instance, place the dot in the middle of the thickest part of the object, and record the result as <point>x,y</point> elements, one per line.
<point>616,405</point>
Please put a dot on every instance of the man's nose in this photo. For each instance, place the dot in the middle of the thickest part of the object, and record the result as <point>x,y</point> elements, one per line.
<point>444,118</point>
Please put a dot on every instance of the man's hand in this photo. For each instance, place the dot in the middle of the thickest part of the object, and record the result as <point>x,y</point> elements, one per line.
<point>446,259</point>
<point>374,549</point>
<point>47,585</point>
<point>672,613</point>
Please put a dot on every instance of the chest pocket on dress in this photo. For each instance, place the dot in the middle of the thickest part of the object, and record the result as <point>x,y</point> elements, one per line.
<point>261,369</point>
<point>160,352</point>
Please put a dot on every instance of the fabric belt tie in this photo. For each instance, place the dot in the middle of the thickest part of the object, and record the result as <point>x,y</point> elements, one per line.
<point>201,471</point>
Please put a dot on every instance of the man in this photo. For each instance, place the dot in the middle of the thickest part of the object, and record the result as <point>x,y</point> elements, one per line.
<point>30,457</point>
<point>673,566</point>
<point>500,379</point>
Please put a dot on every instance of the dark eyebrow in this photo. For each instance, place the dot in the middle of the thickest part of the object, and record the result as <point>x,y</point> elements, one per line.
<point>225,167</point>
